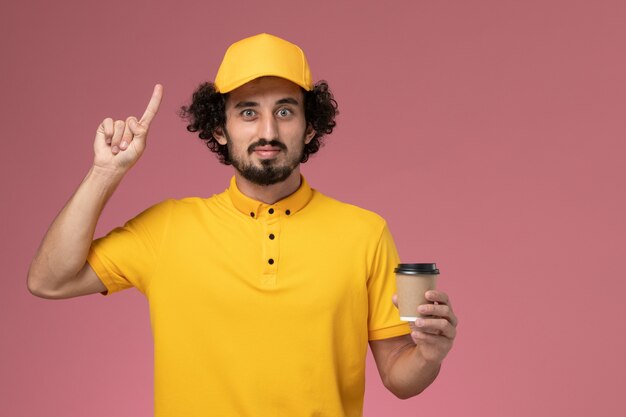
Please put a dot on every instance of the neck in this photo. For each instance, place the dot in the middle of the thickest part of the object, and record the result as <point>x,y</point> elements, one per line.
<point>269,194</point>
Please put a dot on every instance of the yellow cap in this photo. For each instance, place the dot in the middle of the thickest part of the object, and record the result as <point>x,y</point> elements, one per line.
<point>260,56</point>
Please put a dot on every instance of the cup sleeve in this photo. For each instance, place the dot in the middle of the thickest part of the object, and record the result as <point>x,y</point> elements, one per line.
<point>383,317</point>
<point>128,256</point>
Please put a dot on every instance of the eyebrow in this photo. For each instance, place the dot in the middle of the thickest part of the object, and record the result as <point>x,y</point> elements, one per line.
<point>286,100</point>
<point>246,104</point>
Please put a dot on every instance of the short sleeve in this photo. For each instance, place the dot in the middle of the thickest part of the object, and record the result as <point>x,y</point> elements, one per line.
<point>128,256</point>
<point>384,320</point>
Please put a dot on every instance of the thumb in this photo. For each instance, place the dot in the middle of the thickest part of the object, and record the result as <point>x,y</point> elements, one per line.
<point>137,129</point>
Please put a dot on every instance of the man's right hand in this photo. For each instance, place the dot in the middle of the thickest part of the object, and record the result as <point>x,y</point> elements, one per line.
<point>119,144</point>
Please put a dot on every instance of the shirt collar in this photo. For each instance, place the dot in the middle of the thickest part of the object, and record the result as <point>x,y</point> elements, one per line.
<point>287,206</point>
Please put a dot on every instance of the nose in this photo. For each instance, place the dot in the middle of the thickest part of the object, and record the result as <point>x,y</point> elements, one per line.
<point>268,127</point>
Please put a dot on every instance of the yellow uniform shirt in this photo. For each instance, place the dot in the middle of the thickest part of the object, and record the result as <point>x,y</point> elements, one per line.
<point>257,309</point>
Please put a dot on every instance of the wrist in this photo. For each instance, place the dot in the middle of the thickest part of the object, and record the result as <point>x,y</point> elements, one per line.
<point>106,176</point>
<point>103,181</point>
<point>426,363</point>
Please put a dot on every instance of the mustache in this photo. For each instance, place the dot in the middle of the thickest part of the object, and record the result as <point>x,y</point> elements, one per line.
<point>264,142</point>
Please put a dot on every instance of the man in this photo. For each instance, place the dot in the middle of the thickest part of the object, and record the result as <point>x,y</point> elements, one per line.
<point>263,298</point>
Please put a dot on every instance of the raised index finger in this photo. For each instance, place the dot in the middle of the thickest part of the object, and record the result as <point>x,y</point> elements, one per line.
<point>153,106</point>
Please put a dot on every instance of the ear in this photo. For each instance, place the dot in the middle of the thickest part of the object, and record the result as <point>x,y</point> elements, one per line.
<point>309,134</point>
<point>219,136</point>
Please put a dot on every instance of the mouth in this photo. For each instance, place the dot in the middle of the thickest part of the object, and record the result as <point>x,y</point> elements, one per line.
<point>266,149</point>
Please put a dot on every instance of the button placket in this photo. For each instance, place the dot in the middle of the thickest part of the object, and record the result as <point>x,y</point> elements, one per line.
<point>271,233</point>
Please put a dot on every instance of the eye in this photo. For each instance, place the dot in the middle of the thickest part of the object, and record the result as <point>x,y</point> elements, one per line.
<point>284,112</point>
<point>248,113</point>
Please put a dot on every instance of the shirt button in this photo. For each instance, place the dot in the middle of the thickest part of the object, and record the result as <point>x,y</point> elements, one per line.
<point>271,211</point>
<point>251,214</point>
<point>271,236</point>
<point>270,261</point>
<point>287,212</point>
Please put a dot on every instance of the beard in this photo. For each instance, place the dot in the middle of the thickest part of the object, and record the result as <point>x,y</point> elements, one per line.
<point>270,172</point>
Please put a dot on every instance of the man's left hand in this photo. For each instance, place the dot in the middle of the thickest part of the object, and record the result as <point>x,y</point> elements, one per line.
<point>434,334</point>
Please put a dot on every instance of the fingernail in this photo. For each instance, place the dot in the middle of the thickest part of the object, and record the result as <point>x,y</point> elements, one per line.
<point>115,149</point>
<point>124,145</point>
<point>419,322</point>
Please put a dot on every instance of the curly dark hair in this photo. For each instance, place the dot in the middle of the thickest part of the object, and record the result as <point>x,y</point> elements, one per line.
<point>207,113</point>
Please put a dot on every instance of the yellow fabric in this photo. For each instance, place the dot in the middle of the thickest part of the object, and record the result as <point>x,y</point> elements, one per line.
<point>259,56</point>
<point>237,336</point>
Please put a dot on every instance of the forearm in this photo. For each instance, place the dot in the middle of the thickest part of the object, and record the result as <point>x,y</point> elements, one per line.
<point>65,246</point>
<point>410,374</point>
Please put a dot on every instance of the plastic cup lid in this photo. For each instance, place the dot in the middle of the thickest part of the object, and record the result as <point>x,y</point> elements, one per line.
<point>415,269</point>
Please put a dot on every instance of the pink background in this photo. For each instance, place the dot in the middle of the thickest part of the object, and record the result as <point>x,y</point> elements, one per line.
<point>490,134</point>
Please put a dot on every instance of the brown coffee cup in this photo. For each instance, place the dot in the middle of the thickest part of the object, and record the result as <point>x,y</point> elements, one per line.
<point>412,282</point>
